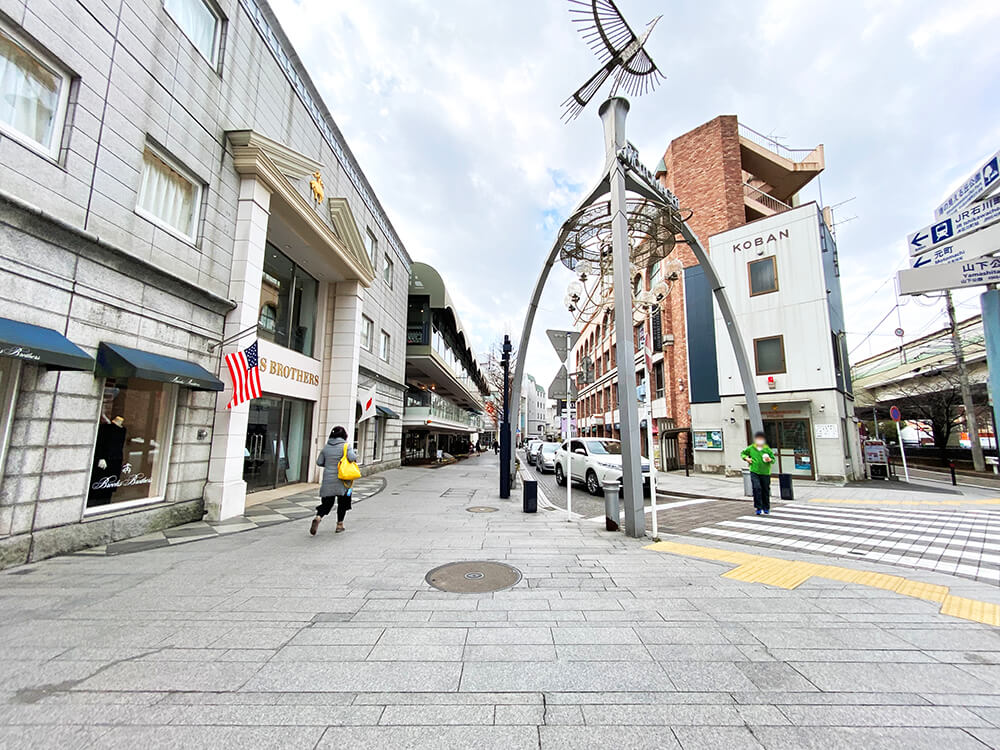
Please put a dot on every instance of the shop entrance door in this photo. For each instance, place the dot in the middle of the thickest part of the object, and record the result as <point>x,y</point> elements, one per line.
<point>791,441</point>
<point>278,443</point>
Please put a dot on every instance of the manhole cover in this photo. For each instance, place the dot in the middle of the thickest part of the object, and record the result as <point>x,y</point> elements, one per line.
<point>481,509</point>
<point>473,577</point>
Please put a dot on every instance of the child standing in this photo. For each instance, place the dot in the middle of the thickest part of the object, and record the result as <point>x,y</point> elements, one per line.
<point>760,457</point>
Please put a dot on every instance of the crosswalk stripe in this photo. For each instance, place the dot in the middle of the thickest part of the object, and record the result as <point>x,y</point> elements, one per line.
<point>884,525</point>
<point>875,516</point>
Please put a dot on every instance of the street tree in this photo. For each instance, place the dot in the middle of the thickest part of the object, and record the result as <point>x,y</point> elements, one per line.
<point>936,398</point>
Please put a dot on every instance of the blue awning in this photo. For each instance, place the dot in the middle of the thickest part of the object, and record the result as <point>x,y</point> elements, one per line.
<point>114,361</point>
<point>42,346</point>
<point>384,411</point>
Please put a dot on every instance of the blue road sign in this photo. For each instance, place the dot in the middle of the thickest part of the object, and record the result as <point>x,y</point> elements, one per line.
<point>894,413</point>
<point>980,184</point>
<point>969,219</point>
<point>974,245</point>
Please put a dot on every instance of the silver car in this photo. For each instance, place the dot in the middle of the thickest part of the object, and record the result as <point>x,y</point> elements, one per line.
<point>545,459</point>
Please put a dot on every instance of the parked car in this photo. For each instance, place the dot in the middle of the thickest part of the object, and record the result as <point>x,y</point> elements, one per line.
<point>594,461</point>
<point>529,450</point>
<point>546,457</point>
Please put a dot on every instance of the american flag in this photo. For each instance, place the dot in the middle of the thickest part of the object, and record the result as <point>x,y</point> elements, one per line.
<point>245,374</point>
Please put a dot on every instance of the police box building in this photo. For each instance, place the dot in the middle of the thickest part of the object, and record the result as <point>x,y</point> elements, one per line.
<point>783,280</point>
<point>178,213</point>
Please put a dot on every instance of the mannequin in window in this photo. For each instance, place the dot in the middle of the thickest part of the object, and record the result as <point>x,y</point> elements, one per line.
<point>108,455</point>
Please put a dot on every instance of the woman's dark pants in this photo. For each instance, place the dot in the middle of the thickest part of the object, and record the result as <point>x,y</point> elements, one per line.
<point>326,505</point>
<point>761,491</point>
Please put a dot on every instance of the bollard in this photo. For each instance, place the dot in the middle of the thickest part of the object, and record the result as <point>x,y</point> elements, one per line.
<point>747,483</point>
<point>530,501</point>
<point>951,467</point>
<point>611,505</point>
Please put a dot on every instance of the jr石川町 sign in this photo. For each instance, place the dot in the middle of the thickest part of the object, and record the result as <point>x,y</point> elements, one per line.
<point>969,219</point>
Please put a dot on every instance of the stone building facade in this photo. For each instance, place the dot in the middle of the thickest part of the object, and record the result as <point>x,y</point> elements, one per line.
<point>173,190</point>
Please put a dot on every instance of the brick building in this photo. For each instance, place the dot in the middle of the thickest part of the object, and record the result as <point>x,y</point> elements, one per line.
<point>725,175</point>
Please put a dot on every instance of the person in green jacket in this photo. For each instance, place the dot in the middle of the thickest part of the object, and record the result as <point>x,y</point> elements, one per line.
<point>760,457</point>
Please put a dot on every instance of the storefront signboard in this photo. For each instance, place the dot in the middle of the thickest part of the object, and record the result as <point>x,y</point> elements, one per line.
<point>287,373</point>
<point>708,440</point>
<point>827,431</point>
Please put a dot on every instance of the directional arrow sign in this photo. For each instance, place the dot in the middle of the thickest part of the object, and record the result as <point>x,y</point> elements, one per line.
<point>962,273</point>
<point>558,339</point>
<point>981,183</point>
<point>974,245</point>
<point>557,389</point>
<point>968,219</point>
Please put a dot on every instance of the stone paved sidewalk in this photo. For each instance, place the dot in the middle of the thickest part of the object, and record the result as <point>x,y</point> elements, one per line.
<point>276,639</point>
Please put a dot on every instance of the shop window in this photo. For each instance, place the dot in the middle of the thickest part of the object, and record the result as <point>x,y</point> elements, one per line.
<point>763,276</point>
<point>769,354</point>
<point>200,24</point>
<point>268,317</point>
<point>387,271</point>
<point>133,442</point>
<point>367,333</point>
<point>291,293</point>
<point>10,369</point>
<point>168,195</point>
<point>658,379</point>
<point>34,94</point>
<point>384,346</point>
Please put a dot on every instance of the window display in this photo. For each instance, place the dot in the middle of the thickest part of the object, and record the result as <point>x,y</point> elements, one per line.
<point>133,439</point>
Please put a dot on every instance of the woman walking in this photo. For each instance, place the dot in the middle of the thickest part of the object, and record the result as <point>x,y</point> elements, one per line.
<point>333,488</point>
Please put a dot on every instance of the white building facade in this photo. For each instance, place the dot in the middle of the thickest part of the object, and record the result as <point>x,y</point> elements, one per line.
<point>173,189</point>
<point>782,277</point>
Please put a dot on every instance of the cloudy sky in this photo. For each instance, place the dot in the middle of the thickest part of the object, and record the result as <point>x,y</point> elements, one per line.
<point>452,109</point>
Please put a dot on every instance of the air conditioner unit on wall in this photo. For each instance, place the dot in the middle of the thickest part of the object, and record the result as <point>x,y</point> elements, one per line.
<point>668,340</point>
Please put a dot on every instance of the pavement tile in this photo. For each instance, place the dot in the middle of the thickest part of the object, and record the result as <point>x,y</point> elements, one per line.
<point>884,716</point>
<point>716,738</point>
<point>872,738</point>
<point>365,676</point>
<point>923,678</point>
<point>707,676</point>
<point>602,652</point>
<point>416,652</point>
<point>48,737</point>
<point>396,636</point>
<point>559,676</point>
<point>172,675</point>
<point>602,738</point>
<point>431,738</point>
<point>437,715</point>
<point>336,637</point>
<point>448,699</point>
<point>509,635</point>
<point>218,738</point>
<point>596,634</point>
<point>510,652</point>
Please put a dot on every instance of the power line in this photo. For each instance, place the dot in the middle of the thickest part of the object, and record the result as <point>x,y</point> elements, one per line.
<point>875,328</point>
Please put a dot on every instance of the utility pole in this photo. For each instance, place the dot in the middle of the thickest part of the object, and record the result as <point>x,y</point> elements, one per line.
<point>978,463</point>
<point>505,448</point>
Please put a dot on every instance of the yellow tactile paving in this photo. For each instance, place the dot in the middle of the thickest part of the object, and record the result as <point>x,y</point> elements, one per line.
<point>787,574</point>
<point>846,501</point>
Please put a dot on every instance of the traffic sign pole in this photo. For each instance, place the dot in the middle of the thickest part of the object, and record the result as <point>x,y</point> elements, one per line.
<point>894,413</point>
<point>569,432</point>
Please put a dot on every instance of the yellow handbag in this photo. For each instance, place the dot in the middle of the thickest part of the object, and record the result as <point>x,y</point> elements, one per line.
<point>347,471</point>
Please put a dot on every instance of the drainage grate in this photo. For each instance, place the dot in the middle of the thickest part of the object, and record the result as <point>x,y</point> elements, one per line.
<point>481,509</point>
<point>473,577</point>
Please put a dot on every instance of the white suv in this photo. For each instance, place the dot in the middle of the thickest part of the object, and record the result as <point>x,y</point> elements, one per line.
<point>595,460</point>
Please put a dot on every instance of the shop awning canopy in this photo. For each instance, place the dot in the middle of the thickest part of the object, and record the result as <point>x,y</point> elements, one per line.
<point>42,346</point>
<point>114,361</point>
<point>384,411</point>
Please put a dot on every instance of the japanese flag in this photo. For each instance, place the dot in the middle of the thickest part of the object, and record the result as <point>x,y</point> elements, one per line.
<point>367,404</point>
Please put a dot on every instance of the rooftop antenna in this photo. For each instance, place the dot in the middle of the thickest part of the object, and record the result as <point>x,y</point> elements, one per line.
<point>618,47</point>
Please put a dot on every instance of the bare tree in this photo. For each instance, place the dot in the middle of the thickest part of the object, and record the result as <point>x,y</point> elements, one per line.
<point>493,369</point>
<point>936,398</point>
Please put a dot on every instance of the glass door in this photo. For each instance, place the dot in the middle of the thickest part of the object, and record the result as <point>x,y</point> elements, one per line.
<point>260,456</point>
<point>293,442</point>
<point>795,456</point>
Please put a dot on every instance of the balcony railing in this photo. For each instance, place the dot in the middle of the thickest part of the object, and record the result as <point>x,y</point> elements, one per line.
<point>792,154</point>
<point>765,199</point>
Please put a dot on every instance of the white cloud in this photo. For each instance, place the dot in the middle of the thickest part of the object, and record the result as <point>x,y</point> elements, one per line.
<point>452,108</point>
